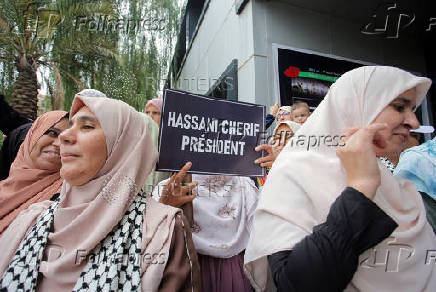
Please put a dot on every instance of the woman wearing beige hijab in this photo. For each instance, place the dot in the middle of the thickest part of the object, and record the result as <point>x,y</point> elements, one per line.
<point>282,133</point>
<point>34,174</point>
<point>100,234</point>
<point>372,237</point>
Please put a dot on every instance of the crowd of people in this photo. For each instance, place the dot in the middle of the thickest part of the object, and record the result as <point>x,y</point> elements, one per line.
<point>82,207</point>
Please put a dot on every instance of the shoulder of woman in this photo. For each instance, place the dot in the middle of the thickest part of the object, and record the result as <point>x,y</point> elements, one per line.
<point>154,208</point>
<point>36,209</point>
<point>11,238</point>
<point>28,217</point>
<point>157,216</point>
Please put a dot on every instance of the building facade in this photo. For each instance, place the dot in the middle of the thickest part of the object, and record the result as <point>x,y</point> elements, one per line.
<point>228,48</point>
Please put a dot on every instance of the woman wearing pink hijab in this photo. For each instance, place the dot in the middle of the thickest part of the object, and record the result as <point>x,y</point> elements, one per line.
<point>332,217</point>
<point>100,235</point>
<point>153,108</point>
<point>34,174</point>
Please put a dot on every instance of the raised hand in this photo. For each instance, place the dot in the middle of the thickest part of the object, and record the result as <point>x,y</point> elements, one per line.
<point>176,194</point>
<point>274,109</point>
<point>358,157</point>
<point>269,159</point>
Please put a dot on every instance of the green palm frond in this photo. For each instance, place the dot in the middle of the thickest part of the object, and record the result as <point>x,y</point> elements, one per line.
<point>46,33</point>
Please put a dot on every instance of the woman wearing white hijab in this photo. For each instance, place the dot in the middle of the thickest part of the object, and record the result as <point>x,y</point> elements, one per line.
<point>100,235</point>
<point>372,237</point>
<point>222,212</point>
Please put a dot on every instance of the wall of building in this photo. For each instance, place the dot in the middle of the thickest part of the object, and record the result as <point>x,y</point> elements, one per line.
<point>222,36</point>
<point>248,37</point>
<point>281,22</point>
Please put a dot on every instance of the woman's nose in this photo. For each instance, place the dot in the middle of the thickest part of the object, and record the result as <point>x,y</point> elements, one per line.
<point>57,141</point>
<point>411,121</point>
<point>67,136</point>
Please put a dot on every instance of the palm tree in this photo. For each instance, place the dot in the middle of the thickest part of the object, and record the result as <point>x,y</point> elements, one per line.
<point>41,33</point>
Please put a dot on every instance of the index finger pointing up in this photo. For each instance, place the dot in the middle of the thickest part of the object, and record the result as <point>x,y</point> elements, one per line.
<point>182,173</point>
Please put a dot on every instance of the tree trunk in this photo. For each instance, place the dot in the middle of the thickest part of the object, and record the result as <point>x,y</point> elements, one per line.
<point>58,92</point>
<point>25,92</point>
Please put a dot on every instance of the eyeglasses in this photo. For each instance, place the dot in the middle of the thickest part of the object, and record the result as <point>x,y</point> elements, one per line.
<point>283,114</point>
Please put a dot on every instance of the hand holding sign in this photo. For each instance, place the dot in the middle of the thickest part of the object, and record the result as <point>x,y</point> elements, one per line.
<point>269,159</point>
<point>218,136</point>
<point>174,193</point>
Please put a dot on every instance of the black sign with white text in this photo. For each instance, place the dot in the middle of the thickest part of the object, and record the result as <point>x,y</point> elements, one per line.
<point>218,136</point>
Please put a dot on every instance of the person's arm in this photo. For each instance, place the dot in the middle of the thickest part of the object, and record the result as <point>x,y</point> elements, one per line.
<point>272,115</point>
<point>182,272</point>
<point>10,119</point>
<point>327,259</point>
